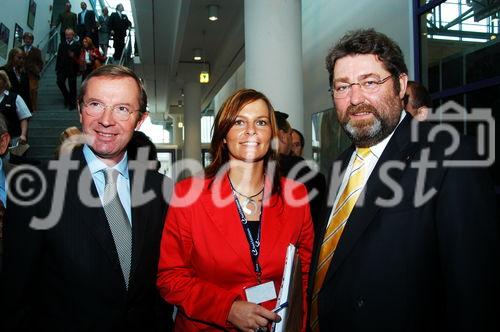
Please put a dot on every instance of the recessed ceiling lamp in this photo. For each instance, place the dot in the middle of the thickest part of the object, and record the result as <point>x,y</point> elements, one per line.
<point>213,12</point>
<point>197,54</point>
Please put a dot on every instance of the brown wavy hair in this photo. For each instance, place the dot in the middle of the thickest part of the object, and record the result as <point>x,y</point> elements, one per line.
<point>225,120</point>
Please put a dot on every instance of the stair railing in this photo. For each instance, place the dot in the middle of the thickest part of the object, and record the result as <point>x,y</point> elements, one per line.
<point>126,57</point>
<point>48,46</point>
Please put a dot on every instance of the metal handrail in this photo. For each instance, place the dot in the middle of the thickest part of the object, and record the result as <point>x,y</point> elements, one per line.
<point>127,51</point>
<point>49,49</point>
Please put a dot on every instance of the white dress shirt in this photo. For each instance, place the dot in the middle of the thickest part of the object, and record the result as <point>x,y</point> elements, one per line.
<point>370,163</point>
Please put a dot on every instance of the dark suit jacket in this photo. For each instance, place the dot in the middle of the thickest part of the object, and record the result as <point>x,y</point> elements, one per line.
<point>89,28</point>
<point>119,25</point>
<point>317,182</point>
<point>432,267</point>
<point>68,277</point>
<point>67,20</point>
<point>68,58</point>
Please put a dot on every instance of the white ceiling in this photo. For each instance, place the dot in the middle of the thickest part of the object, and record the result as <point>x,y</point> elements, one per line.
<point>167,31</point>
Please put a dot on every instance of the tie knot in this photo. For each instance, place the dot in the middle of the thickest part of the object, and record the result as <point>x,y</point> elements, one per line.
<point>363,152</point>
<point>110,175</point>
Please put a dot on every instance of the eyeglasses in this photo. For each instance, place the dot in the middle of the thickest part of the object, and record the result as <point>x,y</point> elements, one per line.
<point>95,108</point>
<point>367,85</point>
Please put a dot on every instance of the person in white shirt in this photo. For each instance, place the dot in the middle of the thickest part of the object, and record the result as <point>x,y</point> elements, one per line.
<point>15,110</point>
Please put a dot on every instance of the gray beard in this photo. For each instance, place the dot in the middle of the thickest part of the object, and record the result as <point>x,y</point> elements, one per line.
<point>367,138</point>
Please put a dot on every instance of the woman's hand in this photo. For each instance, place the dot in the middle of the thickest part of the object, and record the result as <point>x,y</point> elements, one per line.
<point>249,317</point>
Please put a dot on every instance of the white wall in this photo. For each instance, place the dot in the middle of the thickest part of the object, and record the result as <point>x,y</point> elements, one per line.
<point>325,21</point>
<point>16,11</point>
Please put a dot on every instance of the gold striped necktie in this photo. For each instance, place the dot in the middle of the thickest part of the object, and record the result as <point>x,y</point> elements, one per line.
<point>337,223</point>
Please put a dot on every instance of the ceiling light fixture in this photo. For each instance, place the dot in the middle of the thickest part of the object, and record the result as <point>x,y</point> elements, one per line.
<point>197,54</point>
<point>213,12</point>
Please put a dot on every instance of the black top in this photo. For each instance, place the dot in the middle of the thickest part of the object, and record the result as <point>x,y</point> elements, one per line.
<point>254,227</point>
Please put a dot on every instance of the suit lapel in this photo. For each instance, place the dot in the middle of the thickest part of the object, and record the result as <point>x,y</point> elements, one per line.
<point>271,221</point>
<point>140,222</point>
<point>399,148</point>
<point>227,220</point>
<point>95,218</point>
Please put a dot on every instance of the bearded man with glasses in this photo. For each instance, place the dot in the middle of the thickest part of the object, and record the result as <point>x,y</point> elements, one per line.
<point>407,244</point>
<point>90,265</point>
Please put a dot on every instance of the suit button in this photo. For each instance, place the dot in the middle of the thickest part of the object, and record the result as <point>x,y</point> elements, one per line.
<point>361,302</point>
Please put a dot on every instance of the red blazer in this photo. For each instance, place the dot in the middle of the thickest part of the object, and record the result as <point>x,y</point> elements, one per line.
<point>204,257</point>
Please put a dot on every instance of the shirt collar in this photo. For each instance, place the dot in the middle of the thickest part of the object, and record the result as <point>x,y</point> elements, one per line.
<point>96,165</point>
<point>378,148</point>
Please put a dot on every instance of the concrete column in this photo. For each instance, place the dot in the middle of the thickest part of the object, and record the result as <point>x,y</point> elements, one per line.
<point>273,54</point>
<point>177,132</point>
<point>192,121</point>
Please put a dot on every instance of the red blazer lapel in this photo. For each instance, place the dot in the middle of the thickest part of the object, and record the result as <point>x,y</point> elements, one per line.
<point>225,218</point>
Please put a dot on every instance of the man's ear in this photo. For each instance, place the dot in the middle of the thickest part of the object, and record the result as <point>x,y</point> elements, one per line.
<point>4,143</point>
<point>142,118</point>
<point>403,82</point>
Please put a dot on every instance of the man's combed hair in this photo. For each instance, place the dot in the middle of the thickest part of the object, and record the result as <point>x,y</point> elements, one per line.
<point>368,41</point>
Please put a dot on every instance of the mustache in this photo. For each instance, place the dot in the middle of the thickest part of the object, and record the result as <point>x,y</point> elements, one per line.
<point>361,108</point>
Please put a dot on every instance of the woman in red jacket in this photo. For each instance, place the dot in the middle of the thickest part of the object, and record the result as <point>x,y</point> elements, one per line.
<point>226,233</point>
<point>90,57</point>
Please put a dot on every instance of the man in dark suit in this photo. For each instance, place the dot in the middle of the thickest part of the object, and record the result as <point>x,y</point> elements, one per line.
<point>87,25</point>
<point>84,256</point>
<point>67,67</point>
<point>408,243</point>
<point>118,26</point>
<point>66,19</point>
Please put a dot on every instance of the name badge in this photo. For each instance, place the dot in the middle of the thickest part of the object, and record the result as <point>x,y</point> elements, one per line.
<point>261,293</point>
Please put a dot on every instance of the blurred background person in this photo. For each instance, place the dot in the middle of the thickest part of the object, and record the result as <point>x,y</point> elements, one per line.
<point>33,65</point>
<point>90,57</point>
<point>19,82</point>
<point>205,258</point>
<point>67,67</point>
<point>15,111</point>
<point>103,24</point>
<point>296,168</point>
<point>118,26</point>
<point>67,20</point>
<point>297,143</point>
<point>87,25</point>
<point>68,141</point>
<point>418,101</point>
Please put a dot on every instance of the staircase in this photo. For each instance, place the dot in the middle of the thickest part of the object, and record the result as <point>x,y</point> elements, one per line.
<point>51,118</point>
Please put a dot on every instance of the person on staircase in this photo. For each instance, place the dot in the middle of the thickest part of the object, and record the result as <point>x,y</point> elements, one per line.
<point>33,64</point>
<point>15,111</point>
<point>90,57</point>
<point>118,26</point>
<point>18,78</point>
<point>67,67</point>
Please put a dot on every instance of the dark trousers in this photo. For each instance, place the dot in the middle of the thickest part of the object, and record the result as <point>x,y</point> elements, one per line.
<point>69,96</point>
<point>118,44</point>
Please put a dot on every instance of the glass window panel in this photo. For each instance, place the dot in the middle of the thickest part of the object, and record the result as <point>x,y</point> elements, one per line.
<point>454,30</point>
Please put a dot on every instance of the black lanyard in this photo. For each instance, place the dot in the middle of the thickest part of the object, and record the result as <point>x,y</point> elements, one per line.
<point>254,244</point>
